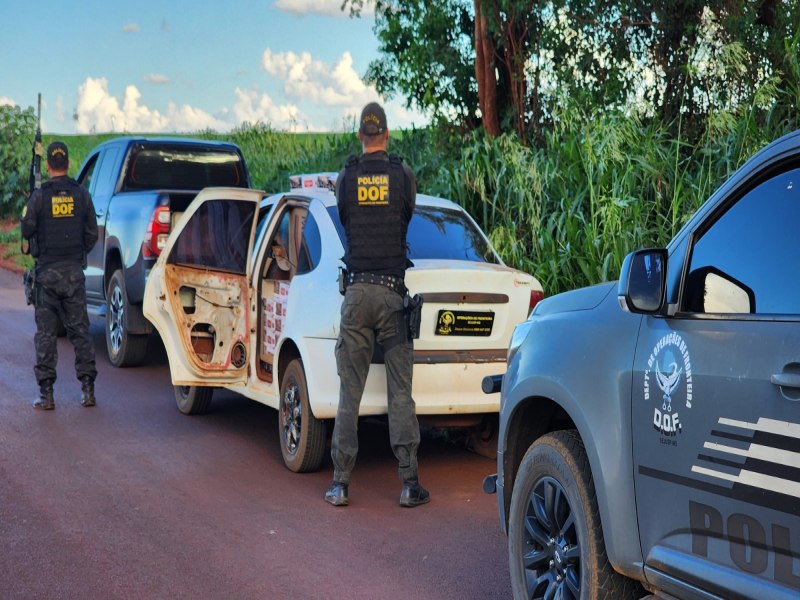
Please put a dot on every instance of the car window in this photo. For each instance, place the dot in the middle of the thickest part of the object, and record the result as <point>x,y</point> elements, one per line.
<point>737,267</point>
<point>310,245</point>
<point>106,175</point>
<point>263,221</point>
<point>439,233</point>
<point>173,166</point>
<point>216,237</point>
<point>86,177</point>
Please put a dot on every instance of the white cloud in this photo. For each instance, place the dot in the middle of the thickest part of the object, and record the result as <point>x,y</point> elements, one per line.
<point>251,108</point>
<point>331,8</point>
<point>399,116</point>
<point>6,101</point>
<point>188,118</point>
<point>317,81</point>
<point>130,28</point>
<point>156,78</point>
<point>98,110</point>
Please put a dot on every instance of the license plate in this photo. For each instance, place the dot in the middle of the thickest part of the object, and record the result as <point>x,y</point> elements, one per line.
<point>455,322</point>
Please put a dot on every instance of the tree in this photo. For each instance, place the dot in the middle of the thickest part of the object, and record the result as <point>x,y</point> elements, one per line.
<point>510,62</point>
<point>426,57</point>
<point>17,129</point>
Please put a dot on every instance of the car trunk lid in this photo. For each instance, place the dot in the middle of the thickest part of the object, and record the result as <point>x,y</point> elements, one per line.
<point>468,305</point>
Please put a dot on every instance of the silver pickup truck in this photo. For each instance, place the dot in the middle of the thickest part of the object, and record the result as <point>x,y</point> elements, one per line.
<point>650,429</point>
<point>140,186</point>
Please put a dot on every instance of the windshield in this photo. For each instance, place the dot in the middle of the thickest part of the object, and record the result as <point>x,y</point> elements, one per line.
<point>183,168</point>
<point>439,233</point>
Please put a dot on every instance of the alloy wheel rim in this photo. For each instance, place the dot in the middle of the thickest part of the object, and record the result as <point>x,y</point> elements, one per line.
<point>551,556</point>
<point>291,418</point>
<point>116,309</point>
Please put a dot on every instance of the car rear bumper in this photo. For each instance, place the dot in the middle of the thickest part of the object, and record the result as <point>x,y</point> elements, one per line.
<point>438,388</point>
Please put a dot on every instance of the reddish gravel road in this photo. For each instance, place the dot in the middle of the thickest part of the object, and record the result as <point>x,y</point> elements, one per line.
<point>132,499</point>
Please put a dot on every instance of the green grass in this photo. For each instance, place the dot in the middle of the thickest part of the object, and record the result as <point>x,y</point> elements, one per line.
<point>10,248</point>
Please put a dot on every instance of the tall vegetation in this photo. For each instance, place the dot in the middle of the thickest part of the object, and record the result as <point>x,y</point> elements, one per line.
<point>573,130</point>
<point>17,128</point>
<point>598,188</point>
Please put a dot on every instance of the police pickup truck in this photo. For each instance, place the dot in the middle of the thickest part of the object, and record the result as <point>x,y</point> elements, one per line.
<point>140,186</point>
<point>650,430</point>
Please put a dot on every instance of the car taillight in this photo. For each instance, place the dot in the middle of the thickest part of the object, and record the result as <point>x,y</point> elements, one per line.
<point>157,232</point>
<point>536,297</point>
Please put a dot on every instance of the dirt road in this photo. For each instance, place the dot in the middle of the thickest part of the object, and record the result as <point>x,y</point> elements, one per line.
<point>132,499</point>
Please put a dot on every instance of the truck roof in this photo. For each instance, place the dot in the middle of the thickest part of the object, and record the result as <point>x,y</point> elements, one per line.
<point>128,140</point>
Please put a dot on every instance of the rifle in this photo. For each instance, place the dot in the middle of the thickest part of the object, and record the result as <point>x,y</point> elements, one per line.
<point>35,182</point>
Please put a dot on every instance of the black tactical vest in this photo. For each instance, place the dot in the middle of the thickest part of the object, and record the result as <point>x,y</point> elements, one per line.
<point>61,221</point>
<point>376,226</point>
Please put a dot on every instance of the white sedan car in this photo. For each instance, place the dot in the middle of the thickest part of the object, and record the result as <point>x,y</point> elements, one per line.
<point>245,296</point>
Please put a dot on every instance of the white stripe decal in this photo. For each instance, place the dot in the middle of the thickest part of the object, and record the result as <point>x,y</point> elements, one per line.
<point>773,484</point>
<point>766,425</point>
<point>773,455</point>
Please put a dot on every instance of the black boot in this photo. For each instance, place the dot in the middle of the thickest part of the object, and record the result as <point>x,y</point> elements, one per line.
<point>413,494</point>
<point>337,495</point>
<point>87,391</point>
<point>45,400</point>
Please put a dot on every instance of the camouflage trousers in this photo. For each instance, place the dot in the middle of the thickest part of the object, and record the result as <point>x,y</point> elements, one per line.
<point>61,290</point>
<point>373,313</point>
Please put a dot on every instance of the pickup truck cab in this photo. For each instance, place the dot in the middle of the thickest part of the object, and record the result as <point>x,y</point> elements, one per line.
<point>140,187</point>
<point>650,430</point>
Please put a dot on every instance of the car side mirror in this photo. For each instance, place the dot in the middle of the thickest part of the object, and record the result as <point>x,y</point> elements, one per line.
<point>642,281</point>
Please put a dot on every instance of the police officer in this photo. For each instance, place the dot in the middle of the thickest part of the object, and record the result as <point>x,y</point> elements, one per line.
<point>60,224</point>
<point>376,195</point>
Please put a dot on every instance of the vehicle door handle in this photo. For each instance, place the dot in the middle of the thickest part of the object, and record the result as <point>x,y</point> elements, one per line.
<point>790,380</point>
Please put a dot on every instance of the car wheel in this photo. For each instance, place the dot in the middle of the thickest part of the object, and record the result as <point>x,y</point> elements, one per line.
<point>555,539</point>
<point>302,435</point>
<point>124,348</point>
<point>193,399</point>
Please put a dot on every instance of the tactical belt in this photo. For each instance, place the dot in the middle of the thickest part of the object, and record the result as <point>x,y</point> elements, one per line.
<point>394,283</point>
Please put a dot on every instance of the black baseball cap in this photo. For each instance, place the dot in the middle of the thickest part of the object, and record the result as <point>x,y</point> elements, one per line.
<point>57,155</point>
<point>373,119</point>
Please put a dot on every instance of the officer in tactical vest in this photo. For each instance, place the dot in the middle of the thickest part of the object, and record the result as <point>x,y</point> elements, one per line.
<point>60,224</point>
<point>376,195</point>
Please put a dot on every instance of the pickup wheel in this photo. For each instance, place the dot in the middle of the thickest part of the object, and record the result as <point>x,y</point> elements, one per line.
<point>124,348</point>
<point>301,434</point>
<point>555,539</point>
<point>193,399</point>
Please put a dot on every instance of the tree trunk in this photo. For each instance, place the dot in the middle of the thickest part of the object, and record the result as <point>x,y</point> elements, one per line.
<point>485,74</point>
<point>515,49</point>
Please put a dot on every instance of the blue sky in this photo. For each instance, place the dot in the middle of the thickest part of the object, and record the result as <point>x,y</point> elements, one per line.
<point>182,65</point>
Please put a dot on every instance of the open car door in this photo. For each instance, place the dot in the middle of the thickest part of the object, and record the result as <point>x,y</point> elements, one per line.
<point>197,294</point>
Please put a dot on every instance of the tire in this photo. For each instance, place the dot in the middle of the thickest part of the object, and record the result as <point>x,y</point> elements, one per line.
<point>302,436</point>
<point>193,399</point>
<point>555,539</point>
<point>483,437</point>
<point>124,348</point>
